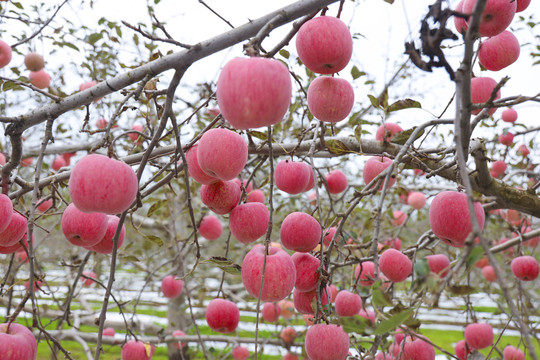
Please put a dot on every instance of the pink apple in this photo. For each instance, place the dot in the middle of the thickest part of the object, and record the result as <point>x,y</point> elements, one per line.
<point>418,349</point>
<point>478,335</point>
<point>459,22</point>
<point>40,79</point>
<point>102,184</point>
<point>220,197</point>
<point>392,243</point>
<point>334,291</point>
<point>5,54</point>
<point>106,244</point>
<point>483,261</point>
<point>311,182</point>
<point>59,162</point>
<point>290,356</point>
<point>6,212</point>
<point>330,99</point>
<point>364,273</point>
<point>15,230</point>
<point>2,159</point>
<point>367,314</point>
<point>83,229</point>
<point>326,342</point>
<point>324,45</point>
<point>179,344</point>
<point>270,312</point>
<point>292,177</point>
<point>522,5</point>
<point>386,131</point>
<point>109,331</point>
<point>395,265</point>
<point>222,153</point>
<point>210,228</point>
<point>481,89</point>
<point>489,273</point>
<point>438,264</point>
<point>240,183</point>
<point>254,92</point>
<point>16,341</point>
<point>133,135</point>
<point>288,335</point>
<point>222,315</point>
<point>523,150</point>
<point>497,15</point>
<point>240,353</point>
<point>498,168</point>
<point>34,61</point>
<point>280,273</point>
<point>306,266</point>
<point>304,301</point>
<point>506,138</point>
<point>17,247</point>
<point>101,123</point>
<point>512,353</point>
<point>500,51</point>
<point>416,200</point>
<point>171,286</point>
<point>461,350</point>
<point>27,162</point>
<point>248,222</point>
<point>337,181</point>
<point>329,235</point>
<point>256,195</point>
<point>87,85</point>
<point>68,156</point>
<point>287,309</point>
<point>399,218</point>
<point>86,280</point>
<point>347,303</point>
<point>449,217</point>
<point>37,285</point>
<point>525,268</point>
<point>137,350</point>
<point>300,232</point>
<point>195,170</point>
<point>374,166</point>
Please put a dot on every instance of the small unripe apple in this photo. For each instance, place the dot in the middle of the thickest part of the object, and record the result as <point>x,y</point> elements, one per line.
<point>171,286</point>
<point>40,79</point>
<point>478,336</point>
<point>525,268</point>
<point>34,61</point>
<point>222,315</point>
<point>330,99</point>
<point>326,342</point>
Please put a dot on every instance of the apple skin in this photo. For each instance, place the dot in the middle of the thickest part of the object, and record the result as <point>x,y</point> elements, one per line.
<point>326,342</point>
<point>302,300</point>
<point>254,92</point>
<point>40,79</point>
<point>330,99</point>
<point>324,44</point>
<point>506,138</point>
<point>256,195</point>
<point>438,264</point>
<point>512,353</point>
<point>525,268</point>
<point>270,312</point>
<point>395,265</point>
<point>461,350</point>
<point>248,222</point>
<point>210,228</point>
<point>85,281</point>
<point>222,315</point>
<point>399,218</point>
<point>374,166</point>
<point>481,89</point>
<point>15,230</point>
<point>287,309</point>
<point>17,247</point>
<point>2,159</point>
<point>300,232</point>
<point>101,184</point>
<point>522,5</point>
<point>292,177</point>
<point>222,153</point>
<point>364,273</point>
<point>389,129</point>
<point>347,303</point>
<point>329,235</point>
<point>134,136</point>
<point>367,314</point>
<point>136,350</point>
<point>306,266</point>
<point>17,343</point>
<point>5,54</point>
<point>337,181</point>
<point>498,168</point>
<point>171,287</point>
<point>497,15</point>
<point>280,273</point>
<point>479,335</point>
<point>240,353</point>
<point>288,335</point>
<point>83,229</point>
<point>417,349</point>
<point>220,197</point>
<point>416,200</point>
<point>290,356</point>
<point>178,344</point>
<point>449,217</point>
<point>523,150</point>
<point>58,163</point>
<point>460,23</point>
<point>109,331</point>
<point>195,171</point>
<point>34,61</point>
<point>489,273</point>
<point>106,245</point>
<point>500,51</point>
<point>6,212</point>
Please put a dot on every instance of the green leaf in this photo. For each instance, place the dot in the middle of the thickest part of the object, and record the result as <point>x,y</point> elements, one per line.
<point>224,264</point>
<point>421,268</point>
<point>356,73</point>
<point>393,322</point>
<point>476,254</point>
<point>155,207</point>
<point>354,324</point>
<point>404,104</point>
<point>380,298</point>
<point>258,134</point>
<point>402,136</point>
<point>337,147</point>
<point>374,101</point>
<point>389,1</point>
<point>155,239</point>
<point>462,289</point>
<point>358,133</point>
<point>284,53</point>
<point>18,5</point>
<point>95,37</point>
<point>131,258</point>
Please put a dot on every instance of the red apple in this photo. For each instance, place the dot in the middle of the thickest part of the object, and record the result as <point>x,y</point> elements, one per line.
<point>326,342</point>
<point>247,187</point>
<point>288,335</point>
<point>497,15</point>
<point>481,89</point>
<point>220,197</point>
<point>179,344</point>
<point>459,22</point>
<point>367,314</point>
<point>522,5</point>
<point>195,170</point>
<point>5,54</point>
<point>498,168</point>
<point>386,131</point>
<point>337,181</point>
<point>15,230</point>
<point>330,99</point>
<point>304,301</point>
<point>461,350</point>
<point>17,342</point>
<point>86,280</point>
<point>59,162</point>
<point>171,286</point>
<point>222,315</point>
<point>306,266</point>
<point>240,353</point>
<point>135,136</point>
<point>374,166</point>
<point>478,336</point>
<point>254,92</point>
<point>395,265</point>
<point>287,309</point>
<point>290,356</point>
<point>2,159</point>
<point>489,273</point>
<point>40,79</point>
<point>34,61</point>
<point>248,222</point>
<point>17,247</point>
<point>500,51</point>
<point>364,273</point>
<point>438,264</point>
<point>506,138</point>
<point>399,218</point>
<point>222,153</point>
<point>109,331</point>
<point>329,235</point>
<point>416,200</point>
<point>418,349</point>
<point>137,350</point>
<point>525,268</point>
<point>347,303</point>
<point>512,353</point>
<point>256,196</point>
<point>83,229</point>
<point>106,245</point>
<point>210,228</point>
<point>300,232</point>
<point>292,177</point>
<point>523,150</point>
<point>270,312</point>
<point>6,212</point>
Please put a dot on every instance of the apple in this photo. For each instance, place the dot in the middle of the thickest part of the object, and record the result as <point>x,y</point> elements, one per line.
<point>288,335</point>
<point>179,344</point>
<point>210,228</point>
<point>222,153</point>
<point>68,156</point>
<point>87,85</point>
<point>512,353</point>
<point>83,229</point>
<point>481,89</point>
<point>133,135</point>
<point>459,22</point>
<point>244,183</point>
<point>109,331</point>
<point>101,123</point>
<point>489,273</point>
<point>330,99</point>
<point>15,230</point>
<point>270,312</point>
<point>337,181</point>
<point>364,273</point>
<point>102,184</point>
<point>17,247</point>
<point>292,177</point>
<point>37,285</point>
<point>86,280</point>
<point>58,163</point>
<point>256,195</point>
<point>240,353</point>
<point>40,79</point>
<point>386,131</point>
<point>525,268</point>
<point>395,265</point>
<point>324,44</point>
<point>506,138</point>
<point>195,171</point>
<point>248,222</point>
<point>478,335</point>
<point>290,356</point>
<point>499,51</point>
<point>367,314</point>
<point>34,61</point>
<point>287,309</point>
<point>522,5</point>
<point>334,291</point>
<point>326,342</point>
<point>222,315</point>
<point>461,350</point>
<point>417,349</point>
<point>438,264</point>
<point>483,261</point>
<point>498,168</point>
<point>106,244</point>
<point>2,159</point>
<point>308,319</point>
<point>416,200</point>
<point>280,273</point>
<point>137,350</point>
<point>449,217</point>
<point>27,162</point>
<point>347,303</point>
<point>304,301</point>
<point>329,235</point>
<point>374,166</point>
<point>254,92</point>
<point>6,212</point>
<point>497,15</point>
<point>300,232</point>
<point>16,341</point>
<point>392,243</point>
<point>523,150</point>
<point>399,218</point>
<point>5,54</point>
<point>171,286</point>
<point>221,197</point>
<point>311,182</point>
<point>306,266</point>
